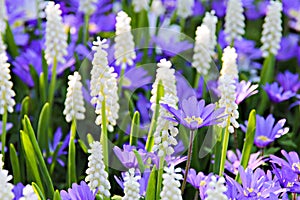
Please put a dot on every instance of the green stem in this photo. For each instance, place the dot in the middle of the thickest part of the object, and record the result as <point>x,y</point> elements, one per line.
<point>86,29</point>
<point>159,177</point>
<point>72,156</point>
<point>196,81</point>
<point>3,136</point>
<point>224,148</point>
<point>103,138</point>
<point>187,167</point>
<point>52,85</point>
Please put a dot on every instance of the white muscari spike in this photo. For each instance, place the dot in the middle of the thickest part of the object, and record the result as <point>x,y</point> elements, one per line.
<point>185,8</point>
<point>29,194</point>
<point>272,29</point>
<point>5,187</point>
<point>157,8</point>
<point>3,16</point>
<point>97,177</point>
<point>88,7</point>
<point>124,47</point>
<point>166,131</point>
<point>6,91</point>
<point>210,20</point>
<point>131,186</point>
<point>104,85</point>
<point>202,54</point>
<point>74,103</point>
<point>56,38</point>
<point>227,87</point>
<point>140,5</point>
<point>234,21</point>
<point>216,189</point>
<point>171,184</point>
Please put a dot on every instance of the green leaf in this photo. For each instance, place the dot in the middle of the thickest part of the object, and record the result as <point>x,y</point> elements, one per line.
<point>42,131</point>
<point>15,164</point>
<point>248,141</point>
<point>54,156</point>
<point>135,127</point>
<point>151,188</point>
<point>82,145</point>
<point>56,195</point>
<point>31,160</point>
<point>25,106</point>
<point>10,41</point>
<point>140,160</point>
<point>38,191</point>
<point>90,138</point>
<point>116,197</point>
<point>39,156</point>
<point>43,88</point>
<point>267,72</point>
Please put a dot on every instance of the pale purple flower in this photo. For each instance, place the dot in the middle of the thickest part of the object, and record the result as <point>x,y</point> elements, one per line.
<point>126,156</point>
<point>287,178</point>
<point>194,114</point>
<point>82,192</point>
<point>292,162</point>
<point>244,90</point>
<point>276,93</point>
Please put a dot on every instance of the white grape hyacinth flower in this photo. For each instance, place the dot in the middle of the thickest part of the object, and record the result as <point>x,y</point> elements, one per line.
<point>216,189</point>
<point>3,16</point>
<point>124,44</point>
<point>185,8</point>
<point>74,103</point>
<point>140,5</point>
<point>29,194</point>
<point>6,92</point>
<point>97,177</point>
<point>5,187</point>
<point>88,7</point>
<point>227,87</point>
<point>104,85</point>
<point>166,131</point>
<point>157,8</point>
<point>272,29</point>
<point>171,184</point>
<point>234,21</point>
<point>56,37</point>
<point>131,186</point>
<point>210,20</point>
<point>202,54</point>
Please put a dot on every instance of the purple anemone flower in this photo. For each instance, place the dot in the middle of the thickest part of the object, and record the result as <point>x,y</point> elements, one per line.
<point>292,162</point>
<point>82,192</point>
<point>288,47</point>
<point>289,81</point>
<point>287,178</point>
<point>136,78</point>
<point>194,114</point>
<point>266,130</point>
<point>126,156</point>
<point>197,180</point>
<point>244,90</point>
<point>18,191</point>
<point>234,161</point>
<point>276,93</point>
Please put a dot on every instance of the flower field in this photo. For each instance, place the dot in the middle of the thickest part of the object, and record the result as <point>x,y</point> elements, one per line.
<point>149,99</point>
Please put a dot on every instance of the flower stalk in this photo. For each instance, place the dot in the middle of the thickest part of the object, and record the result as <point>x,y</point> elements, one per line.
<point>224,148</point>
<point>103,137</point>
<point>188,164</point>
<point>3,136</point>
<point>159,176</point>
<point>72,155</point>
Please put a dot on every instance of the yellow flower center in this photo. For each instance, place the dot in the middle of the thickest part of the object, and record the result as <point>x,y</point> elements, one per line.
<point>290,184</point>
<point>296,166</point>
<point>263,138</point>
<point>202,183</point>
<point>189,120</point>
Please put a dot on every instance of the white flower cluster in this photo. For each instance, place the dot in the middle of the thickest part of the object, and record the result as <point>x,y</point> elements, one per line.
<point>166,131</point>
<point>88,7</point>
<point>171,184</point>
<point>104,85</point>
<point>210,21</point>
<point>56,38</point>
<point>157,8</point>
<point>3,16</point>
<point>97,177</point>
<point>202,54</point>
<point>131,186</point>
<point>124,47</point>
<point>234,21</point>
<point>185,8</point>
<point>28,193</point>
<point>216,189</point>
<point>140,5</point>
<point>227,87</point>
<point>271,34</point>
<point>2,46</point>
<point>74,103</point>
<point>5,187</point>
<point>6,91</point>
